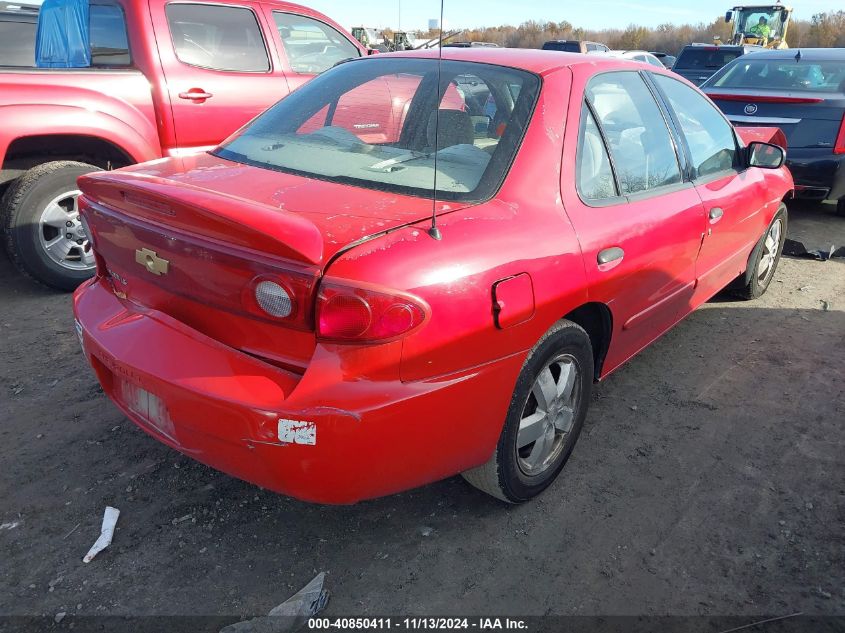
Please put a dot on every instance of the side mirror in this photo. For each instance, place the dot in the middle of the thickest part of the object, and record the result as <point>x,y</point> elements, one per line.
<point>728,16</point>
<point>765,155</point>
<point>373,51</point>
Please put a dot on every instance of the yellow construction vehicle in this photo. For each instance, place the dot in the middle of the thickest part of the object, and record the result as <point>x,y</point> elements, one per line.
<point>762,24</point>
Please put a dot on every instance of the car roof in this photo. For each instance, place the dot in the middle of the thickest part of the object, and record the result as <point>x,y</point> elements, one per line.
<point>821,54</point>
<point>531,59</point>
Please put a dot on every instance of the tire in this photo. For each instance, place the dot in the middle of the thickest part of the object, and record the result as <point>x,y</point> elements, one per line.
<point>33,220</point>
<point>516,474</point>
<point>757,281</point>
<point>840,208</point>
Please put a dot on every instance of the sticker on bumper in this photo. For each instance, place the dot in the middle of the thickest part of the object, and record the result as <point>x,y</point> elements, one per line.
<point>297,432</point>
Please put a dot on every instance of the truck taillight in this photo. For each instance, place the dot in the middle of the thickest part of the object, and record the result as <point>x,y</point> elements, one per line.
<point>359,314</point>
<point>839,146</point>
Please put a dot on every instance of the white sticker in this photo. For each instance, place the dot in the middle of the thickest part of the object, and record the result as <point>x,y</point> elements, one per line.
<point>297,432</point>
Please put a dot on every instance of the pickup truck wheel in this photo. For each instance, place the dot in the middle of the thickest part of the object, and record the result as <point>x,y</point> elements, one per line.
<point>544,419</point>
<point>45,238</point>
<point>767,253</point>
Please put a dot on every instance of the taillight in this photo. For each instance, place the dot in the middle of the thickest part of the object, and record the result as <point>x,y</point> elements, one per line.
<point>360,314</point>
<point>839,146</point>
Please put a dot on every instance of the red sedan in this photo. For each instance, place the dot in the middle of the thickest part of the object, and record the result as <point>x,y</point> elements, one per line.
<point>283,309</point>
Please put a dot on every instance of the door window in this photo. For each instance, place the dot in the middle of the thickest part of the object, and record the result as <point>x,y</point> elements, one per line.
<point>594,175</point>
<point>107,28</point>
<point>636,132</point>
<point>709,136</point>
<point>312,46</point>
<point>217,37</point>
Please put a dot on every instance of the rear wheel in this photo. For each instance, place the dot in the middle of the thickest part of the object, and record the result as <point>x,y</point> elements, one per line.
<point>544,419</point>
<point>44,234</point>
<point>766,258</point>
<point>840,207</point>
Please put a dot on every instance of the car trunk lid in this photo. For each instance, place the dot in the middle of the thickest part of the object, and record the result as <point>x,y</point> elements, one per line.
<point>807,119</point>
<point>179,237</point>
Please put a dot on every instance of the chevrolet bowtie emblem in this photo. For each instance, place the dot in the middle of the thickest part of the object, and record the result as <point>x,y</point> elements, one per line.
<point>152,262</point>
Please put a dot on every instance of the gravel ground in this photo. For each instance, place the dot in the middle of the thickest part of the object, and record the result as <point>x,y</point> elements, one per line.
<point>709,479</point>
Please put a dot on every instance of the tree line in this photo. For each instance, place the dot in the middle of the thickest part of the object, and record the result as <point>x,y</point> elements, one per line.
<point>822,30</point>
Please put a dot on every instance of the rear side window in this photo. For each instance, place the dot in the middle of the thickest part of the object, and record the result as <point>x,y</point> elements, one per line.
<point>17,43</point>
<point>312,46</point>
<point>709,136</point>
<point>704,58</point>
<point>109,43</point>
<point>217,37</point>
<point>815,76</point>
<point>640,144</point>
<point>594,176</point>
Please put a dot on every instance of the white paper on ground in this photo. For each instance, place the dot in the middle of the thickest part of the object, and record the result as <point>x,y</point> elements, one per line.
<point>106,534</point>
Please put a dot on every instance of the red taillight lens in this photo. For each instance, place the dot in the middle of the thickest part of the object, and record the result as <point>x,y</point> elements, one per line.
<point>839,146</point>
<point>359,314</point>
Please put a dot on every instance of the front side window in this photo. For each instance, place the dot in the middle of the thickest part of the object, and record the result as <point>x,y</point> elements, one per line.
<point>109,43</point>
<point>636,132</point>
<point>594,175</point>
<point>709,136</point>
<point>312,46</point>
<point>377,124</point>
<point>217,37</point>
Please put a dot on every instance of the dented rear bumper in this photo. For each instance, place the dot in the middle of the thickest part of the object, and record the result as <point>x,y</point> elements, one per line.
<point>344,431</point>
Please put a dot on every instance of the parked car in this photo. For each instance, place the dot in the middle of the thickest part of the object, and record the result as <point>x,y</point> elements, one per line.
<point>698,62</point>
<point>337,320</point>
<point>803,93</point>
<point>665,58</point>
<point>636,56</point>
<point>165,79</point>
<point>17,34</point>
<point>574,46</point>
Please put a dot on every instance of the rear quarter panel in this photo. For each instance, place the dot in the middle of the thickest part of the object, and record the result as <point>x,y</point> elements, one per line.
<point>523,229</point>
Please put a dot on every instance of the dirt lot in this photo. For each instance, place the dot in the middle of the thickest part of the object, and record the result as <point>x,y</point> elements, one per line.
<point>710,479</point>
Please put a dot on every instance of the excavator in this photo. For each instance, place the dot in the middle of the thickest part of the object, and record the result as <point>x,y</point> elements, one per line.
<point>747,29</point>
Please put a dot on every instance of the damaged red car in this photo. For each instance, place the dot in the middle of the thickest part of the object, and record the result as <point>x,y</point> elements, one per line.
<point>412,268</point>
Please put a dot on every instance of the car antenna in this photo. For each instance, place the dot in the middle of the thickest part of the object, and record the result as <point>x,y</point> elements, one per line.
<point>433,231</point>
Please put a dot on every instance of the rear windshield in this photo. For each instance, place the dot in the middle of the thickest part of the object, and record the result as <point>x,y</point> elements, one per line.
<point>712,58</point>
<point>789,74</point>
<point>376,123</point>
<point>568,47</point>
<point>17,43</point>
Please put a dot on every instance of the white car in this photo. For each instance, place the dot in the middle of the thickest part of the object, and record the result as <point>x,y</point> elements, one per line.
<point>638,56</point>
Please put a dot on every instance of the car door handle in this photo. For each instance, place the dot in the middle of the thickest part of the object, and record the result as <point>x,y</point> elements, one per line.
<point>195,93</point>
<point>611,254</point>
<point>716,214</point>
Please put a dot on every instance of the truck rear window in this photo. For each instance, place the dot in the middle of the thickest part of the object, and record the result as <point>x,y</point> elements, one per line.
<point>811,76</point>
<point>566,47</point>
<point>17,43</point>
<point>694,58</point>
<point>376,123</point>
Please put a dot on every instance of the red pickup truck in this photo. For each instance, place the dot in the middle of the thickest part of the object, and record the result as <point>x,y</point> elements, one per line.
<point>166,78</point>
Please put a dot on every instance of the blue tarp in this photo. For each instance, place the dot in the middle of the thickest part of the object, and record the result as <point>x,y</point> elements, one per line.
<point>61,40</point>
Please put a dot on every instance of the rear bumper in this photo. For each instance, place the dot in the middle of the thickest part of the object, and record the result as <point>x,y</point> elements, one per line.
<point>326,436</point>
<point>818,173</point>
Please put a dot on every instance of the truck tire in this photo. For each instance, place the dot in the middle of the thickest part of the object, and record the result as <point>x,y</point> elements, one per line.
<point>44,236</point>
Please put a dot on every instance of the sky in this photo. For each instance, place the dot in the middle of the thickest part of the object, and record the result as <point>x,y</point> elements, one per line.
<point>590,14</point>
